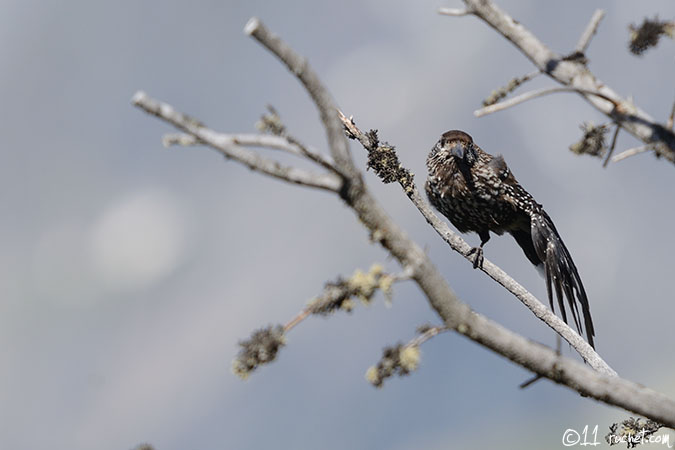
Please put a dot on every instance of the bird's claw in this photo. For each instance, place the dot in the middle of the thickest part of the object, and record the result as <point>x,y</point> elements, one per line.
<point>478,260</point>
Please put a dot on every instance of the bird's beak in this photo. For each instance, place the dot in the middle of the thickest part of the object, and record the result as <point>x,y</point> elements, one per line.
<point>457,150</point>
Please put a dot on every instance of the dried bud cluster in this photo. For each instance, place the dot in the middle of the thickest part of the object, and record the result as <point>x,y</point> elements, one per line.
<point>633,432</point>
<point>335,296</point>
<point>398,360</point>
<point>261,348</point>
<point>593,141</point>
<point>339,294</point>
<point>500,93</point>
<point>382,158</point>
<point>648,34</point>
<point>424,328</point>
<point>364,285</point>
<point>271,123</point>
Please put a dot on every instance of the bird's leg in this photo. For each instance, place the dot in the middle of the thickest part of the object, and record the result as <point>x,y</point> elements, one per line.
<point>478,260</point>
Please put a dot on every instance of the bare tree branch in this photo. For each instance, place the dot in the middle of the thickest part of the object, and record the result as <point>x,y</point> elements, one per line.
<point>264,344</point>
<point>283,143</point>
<point>590,30</point>
<point>271,123</point>
<point>456,12</point>
<point>181,139</point>
<point>493,271</point>
<point>500,93</point>
<point>575,74</point>
<point>245,140</point>
<point>299,66</point>
<point>612,145</point>
<point>631,152</point>
<point>427,334</point>
<point>534,94</point>
<point>231,149</point>
<point>455,314</point>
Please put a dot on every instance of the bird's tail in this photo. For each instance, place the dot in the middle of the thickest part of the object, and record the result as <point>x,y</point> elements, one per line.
<point>560,272</point>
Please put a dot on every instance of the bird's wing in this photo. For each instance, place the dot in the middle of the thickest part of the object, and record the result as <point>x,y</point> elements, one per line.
<point>523,237</point>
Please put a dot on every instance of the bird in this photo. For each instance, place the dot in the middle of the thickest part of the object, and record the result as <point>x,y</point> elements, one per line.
<point>478,193</point>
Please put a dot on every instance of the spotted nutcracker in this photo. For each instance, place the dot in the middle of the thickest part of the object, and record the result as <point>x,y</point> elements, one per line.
<point>478,193</point>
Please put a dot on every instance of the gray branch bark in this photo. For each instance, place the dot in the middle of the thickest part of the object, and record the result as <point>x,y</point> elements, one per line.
<point>230,148</point>
<point>590,30</point>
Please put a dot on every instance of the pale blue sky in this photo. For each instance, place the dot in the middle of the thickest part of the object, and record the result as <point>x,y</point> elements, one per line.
<point>128,272</point>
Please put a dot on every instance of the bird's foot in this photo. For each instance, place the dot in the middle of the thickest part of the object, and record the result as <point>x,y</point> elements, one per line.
<point>478,260</point>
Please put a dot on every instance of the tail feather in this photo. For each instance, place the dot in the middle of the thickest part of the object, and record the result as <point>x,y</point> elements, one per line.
<point>561,273</point>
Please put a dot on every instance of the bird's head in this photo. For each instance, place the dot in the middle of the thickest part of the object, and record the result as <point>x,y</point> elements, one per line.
<point>458,145</point>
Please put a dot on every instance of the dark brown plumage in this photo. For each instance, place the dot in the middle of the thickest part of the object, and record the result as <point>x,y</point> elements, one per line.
<point>478,193</point>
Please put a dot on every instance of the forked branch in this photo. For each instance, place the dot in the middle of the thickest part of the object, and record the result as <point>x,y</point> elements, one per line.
<point>455,314</point>
<point>230,148</point>
<point>572,71</point>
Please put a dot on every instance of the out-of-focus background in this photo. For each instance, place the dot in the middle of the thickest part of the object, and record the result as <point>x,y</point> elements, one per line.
<point>128,272</point>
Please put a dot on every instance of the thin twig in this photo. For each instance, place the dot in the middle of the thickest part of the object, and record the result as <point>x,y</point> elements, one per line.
<point>529,76</point>
<point>457,12</point>
<point>302,315</point>
<point>534,94</point>
<point>313,155</point>
<point>631,152</point>
<point>406,274</point>
<point>529,381</point>
<point>428,334</point>
<point>354,132</point>
<point>537,377</point>
<point>590,30</point>
<point>283,143</point>
<point>181,139</point>
<point>611,147</point>
<point>501,92</point>
<point>229,148</point>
